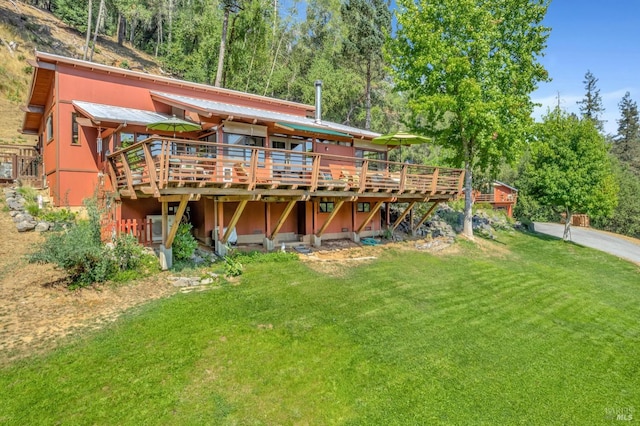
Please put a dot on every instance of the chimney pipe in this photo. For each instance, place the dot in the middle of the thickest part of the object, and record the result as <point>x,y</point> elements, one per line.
<point>318,101</point>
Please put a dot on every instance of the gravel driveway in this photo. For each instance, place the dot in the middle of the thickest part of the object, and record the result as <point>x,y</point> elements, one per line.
<point>625,248</point>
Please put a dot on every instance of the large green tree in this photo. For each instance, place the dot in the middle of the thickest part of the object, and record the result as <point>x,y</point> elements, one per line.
<point>370,25</point>
<point>626,144</point>
<point>468,68</point>
<point>570,169</point>
<point>591,105</point>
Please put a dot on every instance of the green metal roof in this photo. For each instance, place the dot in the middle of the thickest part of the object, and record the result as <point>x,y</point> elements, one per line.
<point>310,129</point>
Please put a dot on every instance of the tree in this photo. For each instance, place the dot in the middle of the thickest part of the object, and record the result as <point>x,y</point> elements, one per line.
<point>86,44</point>
<point>370,24</point>
<point>228,7</point>
<point>591,106</point>
<point>627,142</point>
<point>468,67</point>
<point>570,169</point>
<point>626,216</point>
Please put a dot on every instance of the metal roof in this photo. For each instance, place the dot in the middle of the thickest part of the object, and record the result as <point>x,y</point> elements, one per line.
<point>312,129</point>
<point>498,183</point>
<point>115,114</point>
<point>220,108</point>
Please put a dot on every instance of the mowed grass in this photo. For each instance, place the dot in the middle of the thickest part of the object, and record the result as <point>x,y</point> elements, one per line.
<point>527,330</point>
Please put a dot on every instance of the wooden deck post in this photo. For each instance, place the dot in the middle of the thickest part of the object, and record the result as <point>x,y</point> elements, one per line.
<point>127,173</point>
<point>434,181</point>
<point>333,214</point>
<point>403,215</point>
<point>370,216</point>
<point>426,215</point>
<point>176,223</point>
<point>151,167</point>
<point>234,220</point>
<point>283,217</point>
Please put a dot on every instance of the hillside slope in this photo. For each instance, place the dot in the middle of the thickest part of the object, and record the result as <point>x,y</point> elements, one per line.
<point>24,29</point>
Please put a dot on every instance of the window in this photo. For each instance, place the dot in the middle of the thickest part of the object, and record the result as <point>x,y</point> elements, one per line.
<point>363,207</point>
<point>126,139</point>
<point>50,128</point>
<point>74,130</point>
<point>326,206</point>
<point>238,142</point>
<point>371,155</point>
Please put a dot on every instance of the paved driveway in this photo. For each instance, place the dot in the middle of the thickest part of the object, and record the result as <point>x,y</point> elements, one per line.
<point>598,240</point>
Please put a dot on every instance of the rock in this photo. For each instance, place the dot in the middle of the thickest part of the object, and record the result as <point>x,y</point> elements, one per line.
<point>13,213</point>
<point>206,281</point>
<point>42,227</point>
<point>25,226</point>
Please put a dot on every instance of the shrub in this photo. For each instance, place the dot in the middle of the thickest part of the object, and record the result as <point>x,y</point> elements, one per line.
<point>232,267</point>
<point>80,252</point>
<point>184,245</point>
<point>77,252</point>
<point>483,206</point>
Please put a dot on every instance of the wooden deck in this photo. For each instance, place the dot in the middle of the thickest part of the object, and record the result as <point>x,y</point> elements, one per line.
<point>159,167</point>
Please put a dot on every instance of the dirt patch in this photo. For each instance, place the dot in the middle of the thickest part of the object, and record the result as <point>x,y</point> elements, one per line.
<point>36,309</point>
<point>336,257</point>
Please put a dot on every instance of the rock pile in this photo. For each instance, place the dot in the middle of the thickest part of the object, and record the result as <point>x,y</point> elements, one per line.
<point>446,222</point>
<point>17,210</point>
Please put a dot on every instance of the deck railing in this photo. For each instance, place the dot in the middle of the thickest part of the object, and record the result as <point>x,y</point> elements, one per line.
<point>491,198</point>
<point>156,164</point>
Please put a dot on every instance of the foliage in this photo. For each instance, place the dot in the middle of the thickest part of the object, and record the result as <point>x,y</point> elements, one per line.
<point>232,267</point>
<point>569,168</point>
<point>184,244</point>
<point>374,343</point>
<point>591,106</point>
<point>79,251</point>
<point>626,216</point>
<point>260,257</point>
<point>370,25</point>
<point>626,145</point>
<point>468,68</point>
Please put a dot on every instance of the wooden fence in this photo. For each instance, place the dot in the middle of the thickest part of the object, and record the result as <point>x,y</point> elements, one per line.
<point>20,162</point>
<point>141,229</point>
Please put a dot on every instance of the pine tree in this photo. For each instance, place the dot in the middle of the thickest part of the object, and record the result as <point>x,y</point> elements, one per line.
<point>591,106</point>
<point>627,142</point>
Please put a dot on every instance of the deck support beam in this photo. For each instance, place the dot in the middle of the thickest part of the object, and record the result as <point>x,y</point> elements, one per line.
<point>403,215</point>
<point>332,216</point>
<point>424,218</point>
<point>369,217</point>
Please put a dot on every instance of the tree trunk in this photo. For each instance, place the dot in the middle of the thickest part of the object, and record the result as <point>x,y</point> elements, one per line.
<point>367,102</point>
<point>132,29</point>
<point>467,229</point>
<point>95,33</point>
<point>86,43</point>
<point>223,45</point>
<point>170,21</point>
<point>566,236</point>
<point>121,29</point>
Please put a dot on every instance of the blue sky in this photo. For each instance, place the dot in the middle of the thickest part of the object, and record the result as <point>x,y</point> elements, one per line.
<point>597,35</point>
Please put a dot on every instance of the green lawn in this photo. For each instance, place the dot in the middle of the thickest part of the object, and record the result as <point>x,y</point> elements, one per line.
<point>527,330</point>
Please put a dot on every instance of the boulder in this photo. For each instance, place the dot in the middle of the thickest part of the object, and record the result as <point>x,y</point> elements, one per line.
<point>42,227</point>
<point>25,226</point>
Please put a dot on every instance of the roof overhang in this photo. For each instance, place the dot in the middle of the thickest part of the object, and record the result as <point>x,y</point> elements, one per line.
<point>209,108</point>
<point>100,114</point>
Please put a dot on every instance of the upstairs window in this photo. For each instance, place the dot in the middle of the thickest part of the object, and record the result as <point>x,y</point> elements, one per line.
<point>50,128</point>
<point>74,130</point>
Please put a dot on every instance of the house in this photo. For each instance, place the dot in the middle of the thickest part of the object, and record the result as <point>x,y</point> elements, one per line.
<point>502,197</point>
<point>258,169</point>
